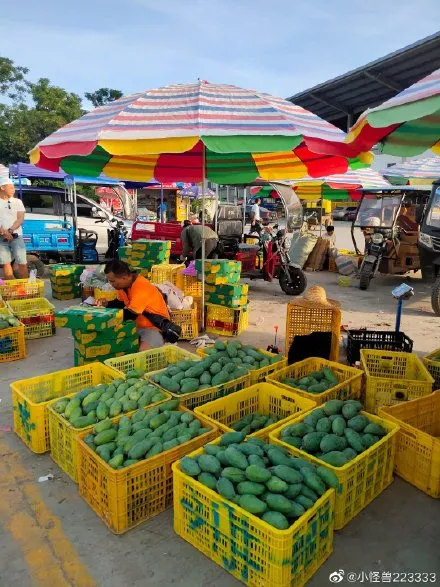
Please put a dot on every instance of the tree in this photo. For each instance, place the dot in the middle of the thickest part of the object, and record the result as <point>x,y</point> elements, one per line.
<point>12,79</point>
<point>103,96</point>
<point>22,126</point>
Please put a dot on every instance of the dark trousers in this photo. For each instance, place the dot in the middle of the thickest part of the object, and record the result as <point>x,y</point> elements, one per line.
<point>210,249</point>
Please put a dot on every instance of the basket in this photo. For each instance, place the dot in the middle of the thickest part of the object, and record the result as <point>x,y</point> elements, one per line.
<point>226,321</point>
<point>393,377</point>
<point>36,314</point>
<point>418,441</point>
<point>257,375</point>
<point>349,387</point>
<point>199,398</point>
<point>30,398</point>
<point>189,284</point>
<point>152,360</point>
<point>12,344</point>
<point>383,340</point>
<point>302,321</point>
<point>433,365</point>
<point>363,478</point>
<point>101,294</point>
<point>264,398</point>
<point>187,320</point>
<point>22,289</point>
<point>127,497</point>
<point>64,438</point>
<point>251,550</point>
<point>165,272</point>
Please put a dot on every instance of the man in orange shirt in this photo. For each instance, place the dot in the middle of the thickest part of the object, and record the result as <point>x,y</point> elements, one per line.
<point>137,295</point>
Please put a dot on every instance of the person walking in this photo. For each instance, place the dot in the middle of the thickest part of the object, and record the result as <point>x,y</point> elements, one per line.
<point>12,211</point>
<point>256,216</point>
<point>192,236</point>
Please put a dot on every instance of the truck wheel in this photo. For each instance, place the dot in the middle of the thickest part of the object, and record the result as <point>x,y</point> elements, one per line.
<point>33,262</point>
<point>435,297</point>
<point>296,284</point>
<point>366,275</point>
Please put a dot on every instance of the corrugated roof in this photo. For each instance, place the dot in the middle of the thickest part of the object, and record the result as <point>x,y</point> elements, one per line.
<point>368,86</point>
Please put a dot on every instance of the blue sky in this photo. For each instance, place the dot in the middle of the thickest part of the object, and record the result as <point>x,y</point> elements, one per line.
<point>279,46</point>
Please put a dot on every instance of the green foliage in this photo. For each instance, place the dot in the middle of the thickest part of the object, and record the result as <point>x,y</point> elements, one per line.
<point>103,96</point>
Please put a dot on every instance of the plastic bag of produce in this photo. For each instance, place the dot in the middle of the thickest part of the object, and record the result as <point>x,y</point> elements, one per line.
<point>301,247</point>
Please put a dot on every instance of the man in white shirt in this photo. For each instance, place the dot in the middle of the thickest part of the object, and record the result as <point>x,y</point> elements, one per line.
<point>255,216</point>
<point>12,247</point>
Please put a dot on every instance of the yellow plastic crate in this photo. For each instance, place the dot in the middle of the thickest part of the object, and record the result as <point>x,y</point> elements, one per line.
<point>189,284</point>
<point>251,550</point>
<point>349,386</point>
<point>165,272</point>
<point>22,289</point>
<point>432,363</point>
<point>199,305</point>
<point>2,304</point>
<point>127,497</point>
<point>37,315</point>
<point>30,399</point>
<point>418,441</point>
<point>302,321</point>
<point>187,320</point>
<point>226,321</point>
<point>393,377</point>
<point>12,343</point>
<point>199,398</point>
<point>100,294</point>
<point>257,375</point>
<point>363,478</point>
<point>64,438</point>
<point>152,360</point>
<point>332,263</point>
<point>263,398</point>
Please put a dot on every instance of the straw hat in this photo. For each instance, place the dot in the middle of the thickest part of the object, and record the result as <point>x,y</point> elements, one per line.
<point>316,296</point>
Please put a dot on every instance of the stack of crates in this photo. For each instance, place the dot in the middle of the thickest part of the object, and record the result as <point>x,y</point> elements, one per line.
<point>226,297</point>
<point>146,253</point>
<point>64,280</point>
<point>99,333</point>
<point>37,316</point>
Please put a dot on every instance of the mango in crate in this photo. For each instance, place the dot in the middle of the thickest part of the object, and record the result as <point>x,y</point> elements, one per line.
<point>8,322</point>
<point>316,382</point>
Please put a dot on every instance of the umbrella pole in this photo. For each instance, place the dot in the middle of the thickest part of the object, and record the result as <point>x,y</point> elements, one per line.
<point>203,236</point>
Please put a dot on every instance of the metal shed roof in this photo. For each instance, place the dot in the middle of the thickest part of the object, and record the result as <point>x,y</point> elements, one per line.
<point>342,99</point>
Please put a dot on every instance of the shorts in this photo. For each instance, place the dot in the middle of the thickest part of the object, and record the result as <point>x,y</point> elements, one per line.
<point>13,250</point>
<point>152,337</point>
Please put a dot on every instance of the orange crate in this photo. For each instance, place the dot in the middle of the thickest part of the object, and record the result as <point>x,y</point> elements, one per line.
<point>418,441</point>
<point>127,497</point>
<point>189,284</point>
<point>263,398</point>
<point>302,321</point>
<point>12,344</point>
<point>31,397</point>
<point>361,479</point>
<point>22,289</point>
<point>251,550</point>
<point>349,386</point>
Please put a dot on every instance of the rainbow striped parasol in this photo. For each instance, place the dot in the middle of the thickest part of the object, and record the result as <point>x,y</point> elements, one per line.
<point>192,132</point>
<point>406,125</point>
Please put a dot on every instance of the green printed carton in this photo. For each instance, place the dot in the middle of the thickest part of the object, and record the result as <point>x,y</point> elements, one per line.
<point>88,318</point>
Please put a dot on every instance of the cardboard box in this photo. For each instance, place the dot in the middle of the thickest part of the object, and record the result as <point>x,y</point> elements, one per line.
<point>88,318</point>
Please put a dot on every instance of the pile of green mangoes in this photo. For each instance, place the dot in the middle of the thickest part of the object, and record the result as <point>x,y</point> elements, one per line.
<point>335,433</point>
<point>316,382</point>
<point>95,403</point>
<point>145,434</point>
<point>253,422</point>
<point>8,321</point>
<point>263,479</point>
<point>241,354</point>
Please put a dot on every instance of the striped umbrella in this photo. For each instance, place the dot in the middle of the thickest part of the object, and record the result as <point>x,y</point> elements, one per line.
<point>428,168</point>
<point>339,188</point>
<point>192,132</point>
<point>405,125</point>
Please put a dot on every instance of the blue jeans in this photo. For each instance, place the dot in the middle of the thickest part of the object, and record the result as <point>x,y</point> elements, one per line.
<point>13,250</point>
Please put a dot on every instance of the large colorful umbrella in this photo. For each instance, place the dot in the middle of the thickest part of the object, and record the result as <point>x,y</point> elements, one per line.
<point>339,188</point>
<point>406,125</point>
<point>192,132</point>
<point>197,191</point>
<point>428,168</point>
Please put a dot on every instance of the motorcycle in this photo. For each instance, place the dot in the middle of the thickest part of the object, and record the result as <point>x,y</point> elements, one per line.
<point>276,263</point>
<point>376,247</point>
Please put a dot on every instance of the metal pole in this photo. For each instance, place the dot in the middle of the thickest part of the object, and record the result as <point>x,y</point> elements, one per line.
<point>244,207</point>
<point>204,185</point>
<point>161,203</point>
<point>216,208</point>
<point>399,314</point>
